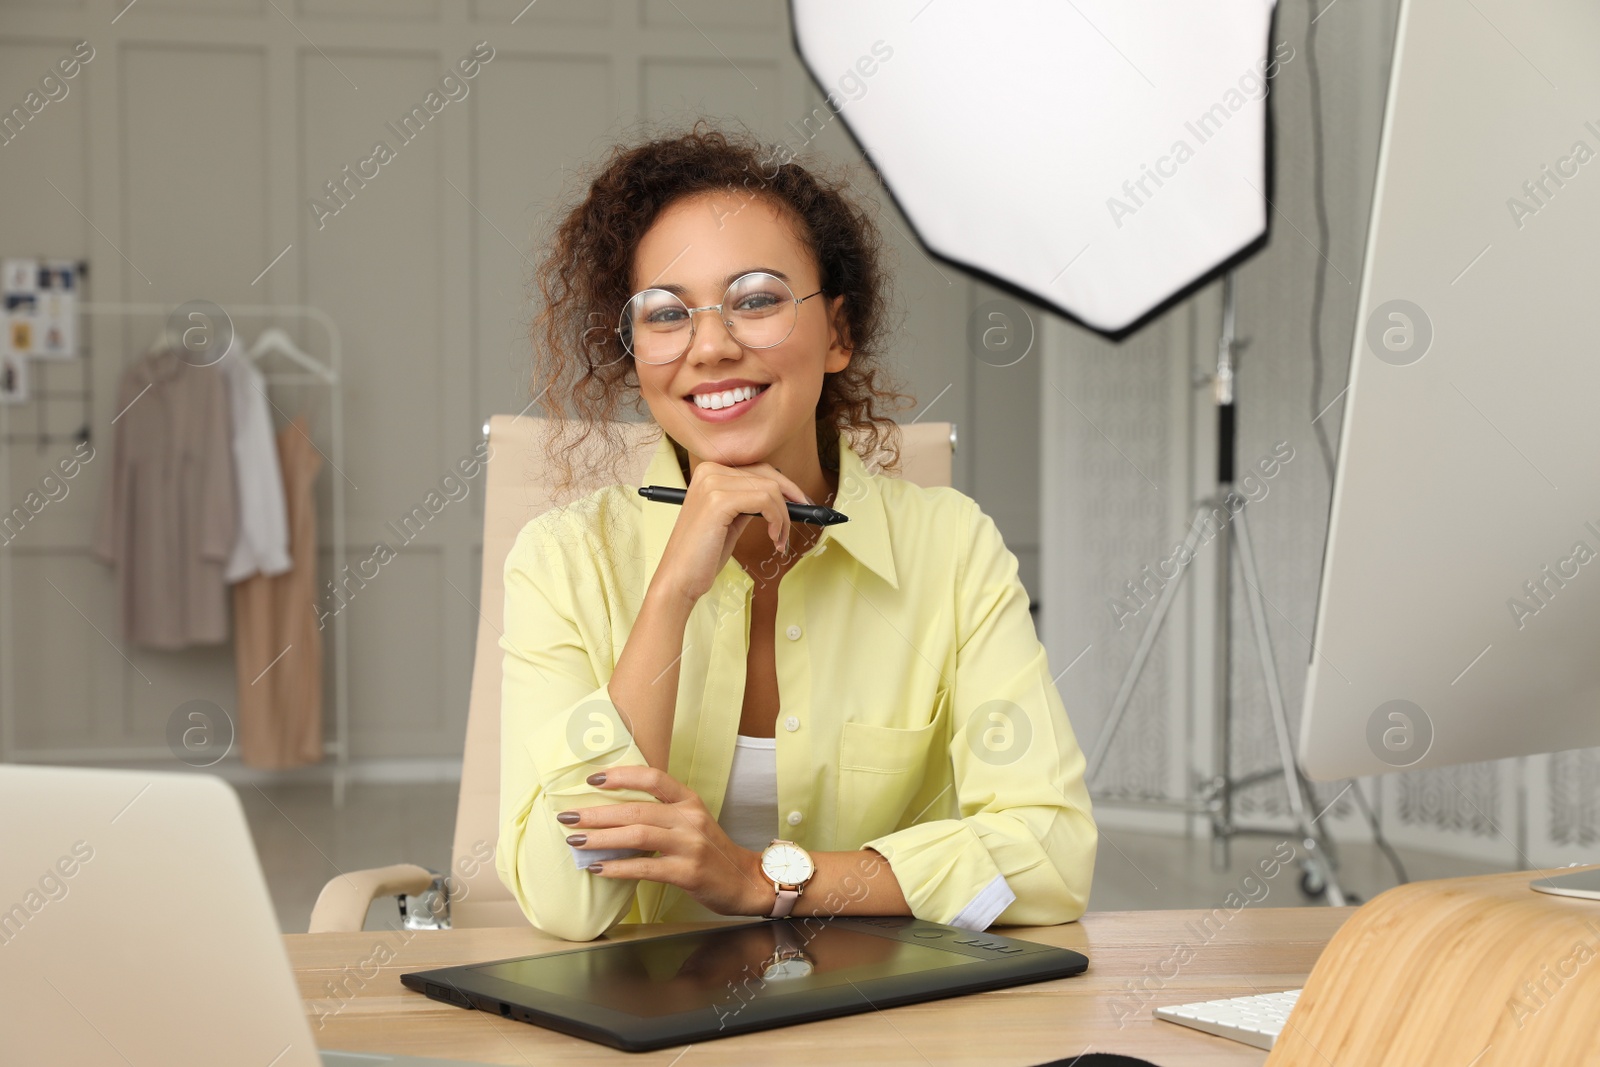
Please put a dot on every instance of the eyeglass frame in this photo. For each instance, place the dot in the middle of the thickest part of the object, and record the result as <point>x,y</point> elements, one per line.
<point>692,312</point>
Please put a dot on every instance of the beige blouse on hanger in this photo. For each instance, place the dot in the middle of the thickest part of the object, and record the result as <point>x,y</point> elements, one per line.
<point>168,516</point>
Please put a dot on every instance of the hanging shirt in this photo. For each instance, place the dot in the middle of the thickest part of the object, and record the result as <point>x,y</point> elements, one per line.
<point>168,517</point>
<point>277,637</point>
<point>262,543</point>
<point>919,716</point>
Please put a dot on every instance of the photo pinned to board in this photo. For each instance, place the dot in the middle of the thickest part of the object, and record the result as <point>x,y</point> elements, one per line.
<point>13,378</point>
<point>41,307</point>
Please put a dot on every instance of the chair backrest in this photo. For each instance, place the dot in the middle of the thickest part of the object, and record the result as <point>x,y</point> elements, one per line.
<point>516,490</point>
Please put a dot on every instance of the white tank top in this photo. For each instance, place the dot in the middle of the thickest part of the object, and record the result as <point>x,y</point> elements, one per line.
<point>750,807</point>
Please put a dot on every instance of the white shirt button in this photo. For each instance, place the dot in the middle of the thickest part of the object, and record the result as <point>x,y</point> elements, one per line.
<point>791,724</point>
<point>794,818</point>
<point>793,632</point>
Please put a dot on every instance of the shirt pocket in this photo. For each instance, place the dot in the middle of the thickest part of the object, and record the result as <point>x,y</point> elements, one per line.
<point>880,769</point>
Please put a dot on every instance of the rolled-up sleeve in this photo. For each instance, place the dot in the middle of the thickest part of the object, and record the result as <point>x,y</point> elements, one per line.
<point>1025,829</point>
<point>557,727</point>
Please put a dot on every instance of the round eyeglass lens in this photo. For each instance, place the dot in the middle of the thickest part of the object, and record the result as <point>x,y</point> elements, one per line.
<point>762,310</point>
<point>758,309</point>
<point>655,326</point>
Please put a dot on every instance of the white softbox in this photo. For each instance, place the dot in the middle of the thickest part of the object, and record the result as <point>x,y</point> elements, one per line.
<point>1102,157</point>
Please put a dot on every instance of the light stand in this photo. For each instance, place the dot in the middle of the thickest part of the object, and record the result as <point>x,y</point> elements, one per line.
<point>1214,797</point>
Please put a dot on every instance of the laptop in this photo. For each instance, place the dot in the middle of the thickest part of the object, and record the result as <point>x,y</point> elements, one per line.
<point>657,992</point>
<point>135,927</point>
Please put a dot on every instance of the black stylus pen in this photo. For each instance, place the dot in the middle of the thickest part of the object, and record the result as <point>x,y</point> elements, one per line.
<point>815,514</point>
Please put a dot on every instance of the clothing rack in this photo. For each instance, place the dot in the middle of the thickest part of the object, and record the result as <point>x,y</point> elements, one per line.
<point>312,371</point>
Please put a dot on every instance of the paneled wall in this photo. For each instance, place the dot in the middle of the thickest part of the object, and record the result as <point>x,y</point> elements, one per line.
<point>184,164</point>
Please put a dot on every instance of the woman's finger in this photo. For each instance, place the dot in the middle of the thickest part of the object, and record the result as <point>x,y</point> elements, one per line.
<point>790,489</point>
<point>782,506</point>
<point>776,510</point>
<point>653,780</point>
<point>602,816</point>
<point>650,868</point>
<point>637,835</point>
<point>755,472</point>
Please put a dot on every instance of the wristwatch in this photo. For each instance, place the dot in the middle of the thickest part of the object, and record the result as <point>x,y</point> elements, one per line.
<point>789,867</point>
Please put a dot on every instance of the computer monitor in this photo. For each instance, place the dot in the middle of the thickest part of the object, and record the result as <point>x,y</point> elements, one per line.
<point>1459,613</point>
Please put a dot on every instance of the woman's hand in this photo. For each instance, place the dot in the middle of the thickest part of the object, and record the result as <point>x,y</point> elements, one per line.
<point>720,502</point>
<point>695,854</point>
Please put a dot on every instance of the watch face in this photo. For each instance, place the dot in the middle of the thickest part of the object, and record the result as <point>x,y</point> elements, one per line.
<point>790,968</point>
<point>788,864</point>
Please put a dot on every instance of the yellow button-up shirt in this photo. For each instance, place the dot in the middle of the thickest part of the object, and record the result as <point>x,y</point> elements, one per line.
<point>918,715</point>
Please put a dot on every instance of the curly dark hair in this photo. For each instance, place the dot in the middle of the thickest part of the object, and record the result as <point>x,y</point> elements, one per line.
<point>586,277</point>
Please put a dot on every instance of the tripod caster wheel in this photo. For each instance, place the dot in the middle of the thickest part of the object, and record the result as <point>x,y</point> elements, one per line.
<point>1312,883</point>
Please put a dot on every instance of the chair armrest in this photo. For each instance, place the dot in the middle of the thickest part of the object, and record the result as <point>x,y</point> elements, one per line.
<point>342,905</point>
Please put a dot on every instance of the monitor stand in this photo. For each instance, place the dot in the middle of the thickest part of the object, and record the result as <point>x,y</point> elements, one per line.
<point>1584,884</point>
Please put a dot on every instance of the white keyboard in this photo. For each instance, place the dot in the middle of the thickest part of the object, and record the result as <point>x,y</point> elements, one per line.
<point>1255,1020</point>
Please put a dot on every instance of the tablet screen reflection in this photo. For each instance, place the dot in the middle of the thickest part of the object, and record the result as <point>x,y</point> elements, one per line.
<point>709,969</point>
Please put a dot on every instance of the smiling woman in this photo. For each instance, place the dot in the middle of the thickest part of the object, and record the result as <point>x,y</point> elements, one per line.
<point>590,273</point>
<point>646,642</point>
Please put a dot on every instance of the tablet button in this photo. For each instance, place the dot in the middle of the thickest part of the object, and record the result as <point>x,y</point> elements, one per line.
<point>928,933</point>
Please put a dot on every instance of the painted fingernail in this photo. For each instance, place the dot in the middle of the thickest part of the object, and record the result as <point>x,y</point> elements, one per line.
<point>593,868</point>
<point>597,778</point>
<point>570,818</point>
<point>576,839</point>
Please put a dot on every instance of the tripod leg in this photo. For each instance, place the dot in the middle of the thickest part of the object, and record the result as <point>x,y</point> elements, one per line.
<point>1294,782</point>
<point>1219,790</point>
<point>1147,640</point>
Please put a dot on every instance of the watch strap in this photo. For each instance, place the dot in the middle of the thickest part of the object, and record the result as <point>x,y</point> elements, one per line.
<point>787,896</point>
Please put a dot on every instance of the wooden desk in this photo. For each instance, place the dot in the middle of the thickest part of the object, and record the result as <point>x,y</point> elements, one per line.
<point>1138,960</point>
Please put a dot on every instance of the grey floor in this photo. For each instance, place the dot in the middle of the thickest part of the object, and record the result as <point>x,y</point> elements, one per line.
<point>304,841</point>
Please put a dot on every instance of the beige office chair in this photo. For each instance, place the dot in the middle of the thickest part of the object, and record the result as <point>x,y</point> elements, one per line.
<point>515,491</point>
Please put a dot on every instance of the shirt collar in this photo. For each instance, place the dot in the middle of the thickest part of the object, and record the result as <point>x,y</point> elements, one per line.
<point>865,537</point>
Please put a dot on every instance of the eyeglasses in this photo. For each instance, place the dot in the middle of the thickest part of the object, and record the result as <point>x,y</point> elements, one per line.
<point>758,309</point>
